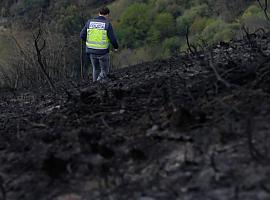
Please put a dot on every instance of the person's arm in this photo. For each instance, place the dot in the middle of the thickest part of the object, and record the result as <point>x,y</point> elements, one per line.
<point>83,33</point>
<point>112,37</point>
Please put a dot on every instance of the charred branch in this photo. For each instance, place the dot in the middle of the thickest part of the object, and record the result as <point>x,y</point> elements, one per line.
<point>39,49</point>
<point>264,8</point>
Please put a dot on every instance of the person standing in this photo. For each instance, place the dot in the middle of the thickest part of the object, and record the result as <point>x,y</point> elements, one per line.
<point>98,34</point>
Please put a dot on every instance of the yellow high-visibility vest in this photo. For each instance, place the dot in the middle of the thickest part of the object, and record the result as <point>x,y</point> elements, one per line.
<point>97,37</point>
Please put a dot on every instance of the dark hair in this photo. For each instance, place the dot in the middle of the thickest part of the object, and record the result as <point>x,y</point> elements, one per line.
<point>104,11</point>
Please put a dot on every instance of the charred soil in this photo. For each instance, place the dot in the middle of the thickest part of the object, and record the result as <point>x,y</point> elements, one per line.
<point>194,127</point>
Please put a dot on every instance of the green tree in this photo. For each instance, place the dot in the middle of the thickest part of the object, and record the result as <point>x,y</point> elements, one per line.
<point>199,24</point>
<point>189,16</point>
<point>171,46</point>
<point>154,36</point>
<point>134,25</point>
<point>210,31</point>
<point>69,21</point>
<point>165,25</point>
<point>252,10</point>
<point>218,30</point>
<point>30,8</point>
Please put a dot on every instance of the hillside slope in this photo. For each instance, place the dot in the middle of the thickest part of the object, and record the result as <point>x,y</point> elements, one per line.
<point>195,127</point>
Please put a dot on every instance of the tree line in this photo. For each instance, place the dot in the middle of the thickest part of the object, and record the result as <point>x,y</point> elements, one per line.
<point>146,29</point>
<point>160,26</point>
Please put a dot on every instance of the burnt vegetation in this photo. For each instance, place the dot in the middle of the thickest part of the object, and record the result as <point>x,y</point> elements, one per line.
<point>194,126</point>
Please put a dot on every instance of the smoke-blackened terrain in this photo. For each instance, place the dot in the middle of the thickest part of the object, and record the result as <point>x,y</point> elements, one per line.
<point>194,127</point>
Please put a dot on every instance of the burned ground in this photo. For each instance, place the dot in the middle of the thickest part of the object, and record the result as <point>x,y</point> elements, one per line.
<point>191,127</point>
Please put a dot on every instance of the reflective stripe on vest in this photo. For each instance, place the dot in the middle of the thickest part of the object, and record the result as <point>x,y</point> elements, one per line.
<point>97,37</point>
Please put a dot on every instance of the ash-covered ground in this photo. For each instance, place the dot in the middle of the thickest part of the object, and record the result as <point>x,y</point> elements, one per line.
<point>194,127</point>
